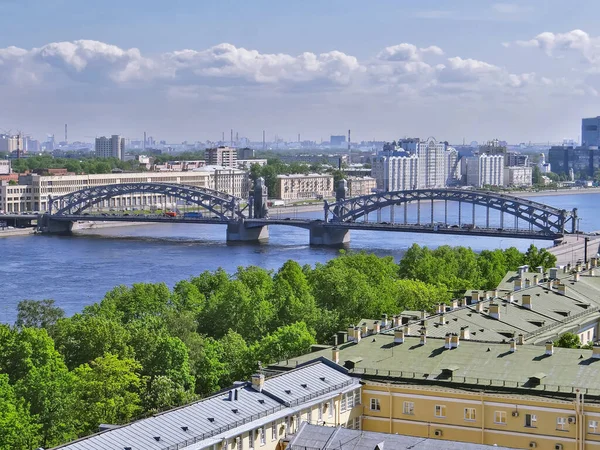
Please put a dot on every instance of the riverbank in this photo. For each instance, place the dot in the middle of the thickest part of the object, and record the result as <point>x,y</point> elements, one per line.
<point>16,232</point>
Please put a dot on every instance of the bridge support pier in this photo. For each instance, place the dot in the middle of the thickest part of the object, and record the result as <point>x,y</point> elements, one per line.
<point>329,236</point>
<point>240,232</point>
<point>48,226</point>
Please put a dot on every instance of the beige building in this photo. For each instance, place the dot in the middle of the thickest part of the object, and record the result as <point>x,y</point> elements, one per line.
<point>300,186</point>
<point>33,190</point>
<point>221,156</point>
<point>518,176</point>
<point>358,186</point>
<point>5,167</point>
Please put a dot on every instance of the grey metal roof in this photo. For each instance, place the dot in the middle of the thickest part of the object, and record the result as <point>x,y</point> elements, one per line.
<point>192,424</point>
<point>314,437</point>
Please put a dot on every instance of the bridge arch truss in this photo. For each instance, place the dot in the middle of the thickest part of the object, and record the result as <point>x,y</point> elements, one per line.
<point>224,206</point>
<point>546,219</point>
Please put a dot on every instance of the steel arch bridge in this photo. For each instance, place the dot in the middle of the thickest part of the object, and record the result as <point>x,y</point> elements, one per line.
<point>546,219</point>
<point>224,206</point>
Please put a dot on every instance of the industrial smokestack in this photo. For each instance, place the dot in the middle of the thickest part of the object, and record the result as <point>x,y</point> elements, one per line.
<point>298,137</point>
<point>349,149</point>
<point>223,138</point>
<point>231,141</point>
<point>264,141</point>
<point>144,143</point>
<point>66,137</point>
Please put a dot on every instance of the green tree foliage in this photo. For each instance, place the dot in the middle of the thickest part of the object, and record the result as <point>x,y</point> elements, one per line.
<point>89,165</point>
<point>568,340</point>
<point>108,391</point>
<point>38,314</point>
<point>535,257</point>
<point>18,431</point>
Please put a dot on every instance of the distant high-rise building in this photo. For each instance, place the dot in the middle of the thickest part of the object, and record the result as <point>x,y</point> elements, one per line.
<point>584,161</point>
<point>245,153</point>
<point>221,156</point>
<point>432,164</point>
<point>590,132</point>
<point>337,141</point>
<point>485,170</point>
<point>396,171</point>
<point>110,147</point>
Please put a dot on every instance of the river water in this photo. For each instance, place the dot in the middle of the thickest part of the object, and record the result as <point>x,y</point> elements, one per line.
<point>78,270</point>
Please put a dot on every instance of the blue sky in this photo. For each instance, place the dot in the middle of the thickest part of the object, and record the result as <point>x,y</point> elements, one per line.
<point>183,69</point>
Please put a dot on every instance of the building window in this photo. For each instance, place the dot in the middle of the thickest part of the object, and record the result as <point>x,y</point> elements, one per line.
<point>408,408</point>
<point>500,417</point>
<point>440,410</point>
<point>350,399</point>
<point>273,431</point>
<point>593,426</point>
<point>561,423</point>
<point>470,414</point>
<point>263,435</point>
<point>319,412</point>
<point>309,415</point>
<point>357,423</point>
<point>357,397</point>
<point>251,440</point>
<point>530,420</point>
<point>375,406</point>
<point>330,408</point>
<point>343,403</point>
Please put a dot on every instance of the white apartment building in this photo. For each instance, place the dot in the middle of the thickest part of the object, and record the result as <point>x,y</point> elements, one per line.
<point>221,156</point>
<point>248,163</point>
<point>5,167</point>
<point>247,416</point>
<point>485,170</point>
<point>453,172</point>
<point>396,173</point>
<point>432,164</point>
<point>300,186</point>
<point>110,147</point>
<point>517,176</point>
<point>33,190</point>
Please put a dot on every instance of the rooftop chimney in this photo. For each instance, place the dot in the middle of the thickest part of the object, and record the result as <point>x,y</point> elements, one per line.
<point>594,262</point>
<point>592,272</point>
<point>258,382</point>
<point>454,340</point>
<point>364,329</point>
<point>423,339</point>
<point>376,327</point>
<point>511,297</point>
<point>527,282</point>
<point>440,308</point>
<point>474,296</point>
<point>518,284</point>
<point>540,269</point>
<point>535,280</point>
<point>549,348</point>
<point>397,320</point>
<point>398,336</point>
<point>423,315</point>
<point>494,311</point>
<point>520,339</point>
<point>562,289</point>
<point>384,321</point>
<point>576,276</point>
<point>442,319</point>
<point>335,355</point>
<point>407,330</point>
<point>549,285</point>
<point>553,273</point>
<point>357,335</point>
<point>351,335</point>
<point>465,333</point>
<point>513,346</point>
<point>596,350</point>
<point>479,307</point>
<point>454,303</point>
<point>527,301</point>
<point>447,344</point>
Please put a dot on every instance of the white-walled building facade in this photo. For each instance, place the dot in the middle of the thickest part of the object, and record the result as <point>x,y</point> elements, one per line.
<point>432,164</point>
<point>399,172</point>
<point>517,176</point>
<point>110,147</point>
<point>300,186</point>
<point>485,170</point>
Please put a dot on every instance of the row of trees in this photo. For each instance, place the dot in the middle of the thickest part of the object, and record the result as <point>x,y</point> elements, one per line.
<point>78,165</point>
<point>146,348</point>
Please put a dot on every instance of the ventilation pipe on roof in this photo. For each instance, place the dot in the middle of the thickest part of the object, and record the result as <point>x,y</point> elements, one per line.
<point>440,308</point>
<point>454,303</point>
<point>423,314</point>
<point>549,285</point>
<point>549,348</point>
<point>397,320</point>
<point>447,344</point>
<point>518,284</point>
<point>357,335</point>
<point>474,296</point>
<point>527,301</point>
<point>479,307</point>
<point>407,330</point>
<point>576,276</point>
<point>351,336</point>
<point>494,311</point>
<point>376,327</point>
<point>423,339</point>
<point>335,355</point>
<point>527,282</point>
<point>594,262</point>
<point>520,339</point>
<point>540,269</point>
<point>442,319</point>
<point>562,289</point>
<point>592,272</point>
<point>511,298</point>
<point>553,273</point>
<point>535,280</point>
<point>513,346</point>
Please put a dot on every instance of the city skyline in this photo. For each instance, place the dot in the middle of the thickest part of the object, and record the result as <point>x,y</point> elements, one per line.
<point>414,69</point>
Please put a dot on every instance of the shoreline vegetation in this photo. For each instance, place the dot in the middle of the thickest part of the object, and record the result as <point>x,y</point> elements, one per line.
<point>147,348</point>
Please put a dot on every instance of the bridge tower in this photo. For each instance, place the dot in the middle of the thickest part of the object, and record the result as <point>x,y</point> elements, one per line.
<point>328,234</point>
<point>240,230</point>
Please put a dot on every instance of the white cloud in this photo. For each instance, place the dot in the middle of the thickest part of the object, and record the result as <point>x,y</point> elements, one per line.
<point>558,44</point>
<point>408,52</point>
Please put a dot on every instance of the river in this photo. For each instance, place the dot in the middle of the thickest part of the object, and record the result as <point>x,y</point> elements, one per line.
<point>78,270</point>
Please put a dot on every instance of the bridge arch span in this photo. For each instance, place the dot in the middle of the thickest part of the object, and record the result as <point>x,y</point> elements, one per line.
<point>543,217</point>
<point>224,206</point>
